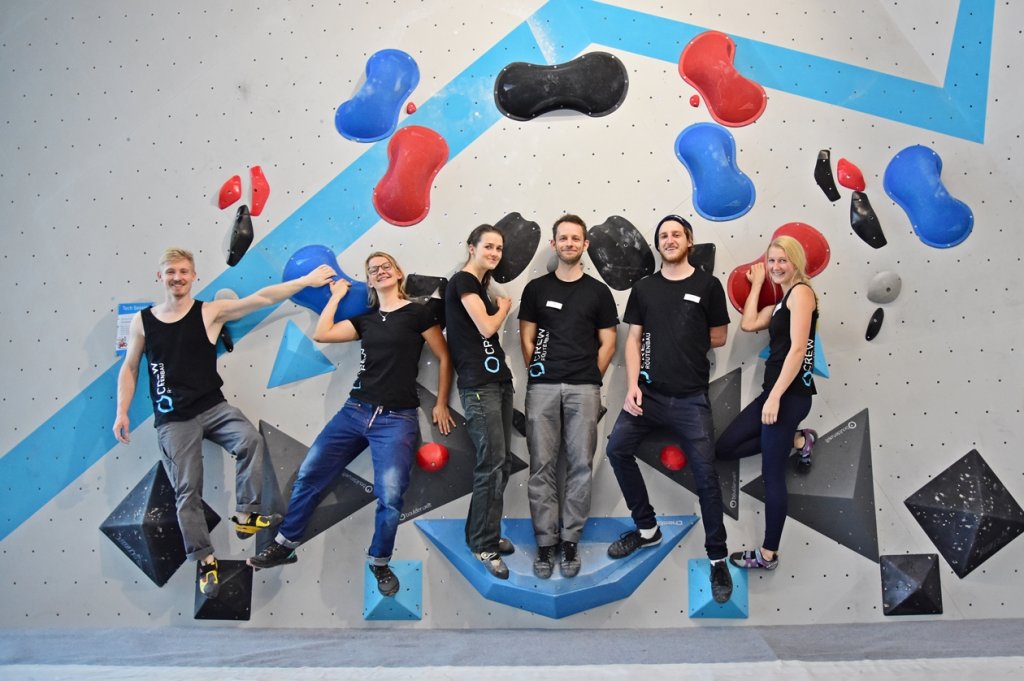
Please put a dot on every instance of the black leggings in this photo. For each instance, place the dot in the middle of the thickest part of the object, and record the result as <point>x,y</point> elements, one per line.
<point>747,436</point>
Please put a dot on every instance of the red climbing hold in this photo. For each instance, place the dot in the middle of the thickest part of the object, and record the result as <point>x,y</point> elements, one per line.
<point>410,108</point>
<point>673,458</point>
<point>230,192</point>
<point>707,65</point>
<point>694,101</point>
<point>849,175</point>
<point>260,190</point>
<point>815,248</point>
<point>415,156</point>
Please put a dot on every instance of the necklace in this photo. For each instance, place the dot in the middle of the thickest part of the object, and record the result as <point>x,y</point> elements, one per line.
<point>384,315</point>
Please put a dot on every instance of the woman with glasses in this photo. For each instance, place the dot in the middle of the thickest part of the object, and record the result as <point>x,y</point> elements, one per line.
<point>380,413</point>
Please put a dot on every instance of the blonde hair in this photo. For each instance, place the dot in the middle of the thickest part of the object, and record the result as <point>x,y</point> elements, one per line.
<point>795,254</point>
<point>175,254</point>
<point>371,295</point>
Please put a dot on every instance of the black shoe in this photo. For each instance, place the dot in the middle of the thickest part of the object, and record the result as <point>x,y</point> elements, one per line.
<point>209,579</point>
<point>721,582</point>
<point>630,541</point>
<point>387,581</point>
<point>803,462</point>
<point>255,523</point>
<point>545,563</point>
<point>494,564</point>
<point>570,563</point>
<point>505,547</point>
<point>275,554</point>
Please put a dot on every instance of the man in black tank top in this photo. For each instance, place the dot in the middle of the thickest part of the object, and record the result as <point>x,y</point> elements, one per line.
<point>179,338</point>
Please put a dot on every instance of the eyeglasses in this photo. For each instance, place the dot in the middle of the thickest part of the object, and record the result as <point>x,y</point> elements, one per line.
<point>372,270</point>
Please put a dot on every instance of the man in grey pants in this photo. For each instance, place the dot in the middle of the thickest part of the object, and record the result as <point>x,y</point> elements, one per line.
<point>567,322</point>
<point>179,337</point>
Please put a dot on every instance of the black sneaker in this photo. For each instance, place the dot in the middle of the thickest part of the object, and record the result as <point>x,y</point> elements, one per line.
<point>275,554</point>
<point>255,524</point>
<point>494,564</point>
<point>506,547</point>
<point>721,582</point>
<point>570,563</point>
<point>630,541</point>
<point>387,581</point>
<point>545,563</point>
<point>209,579</point>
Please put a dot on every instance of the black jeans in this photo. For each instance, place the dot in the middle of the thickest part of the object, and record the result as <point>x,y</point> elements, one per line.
<point>489,421</point>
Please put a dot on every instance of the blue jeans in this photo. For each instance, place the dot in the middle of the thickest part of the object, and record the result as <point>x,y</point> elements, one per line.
<point>391,435</point>
<point>689,419</point>
<point>746,436</point>
<point>489,422</point>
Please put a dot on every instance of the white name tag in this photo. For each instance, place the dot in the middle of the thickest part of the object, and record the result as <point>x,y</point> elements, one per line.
<point>692,298</point>
<point>555,304</point>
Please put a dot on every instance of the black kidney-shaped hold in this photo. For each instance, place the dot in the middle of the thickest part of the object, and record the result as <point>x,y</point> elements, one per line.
<point>594,84</point>
<point>241,235</point>
<point>620,253</point>
<point>522,237</point>
<point>864,221</point>
<point>875,324</point>
<point>823,175</point>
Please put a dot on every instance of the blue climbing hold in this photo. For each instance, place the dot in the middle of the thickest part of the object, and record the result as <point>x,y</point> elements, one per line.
<point>297,358</point>
<point>720,189</point>
<point>307,259</point>
<point>391,76</point>
<point>912,180</point>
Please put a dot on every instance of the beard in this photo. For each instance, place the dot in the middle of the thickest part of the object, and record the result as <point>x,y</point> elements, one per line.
<point>676,257</point>
<point>568,259</point>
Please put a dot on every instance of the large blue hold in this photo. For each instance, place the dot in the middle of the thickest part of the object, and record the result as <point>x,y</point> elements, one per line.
<point>391,76</point>
<point>307,259</point>
<point>912,180</point>
<point>720,189</point>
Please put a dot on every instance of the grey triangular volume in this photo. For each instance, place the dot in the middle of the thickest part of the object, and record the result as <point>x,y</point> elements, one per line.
<point>967,512</point>
<point>284,455</point>
<point>837,496</point>
<point>724,394</point>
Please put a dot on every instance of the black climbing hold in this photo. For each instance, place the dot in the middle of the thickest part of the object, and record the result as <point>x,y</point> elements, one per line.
<point>594,84</point>
<point>910,584</point>
<point>519,422</point>
<point>620,253</point>
<point>234,602</point>
<point>145,526</point>
<point>864,221</point>
<point>428,291</point>
<point>823,175</point>
<point>967,512</point>
<point>225,338</point>
<point>241,235</point>
<point>522,237</point>
<point>875,324</point>
<point>702,256</point>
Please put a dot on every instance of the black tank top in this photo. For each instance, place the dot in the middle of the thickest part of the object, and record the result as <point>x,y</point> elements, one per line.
<point>182,366</point>
<point>778,347</point>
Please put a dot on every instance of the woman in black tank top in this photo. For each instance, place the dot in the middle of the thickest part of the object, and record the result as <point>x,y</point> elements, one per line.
<point>769,424</point>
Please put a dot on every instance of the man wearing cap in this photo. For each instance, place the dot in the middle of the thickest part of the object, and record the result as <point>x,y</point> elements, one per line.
<point>675,317</point>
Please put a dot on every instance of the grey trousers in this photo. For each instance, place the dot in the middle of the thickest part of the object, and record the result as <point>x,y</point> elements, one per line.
<point>560,417</point>
<point>181,446</point>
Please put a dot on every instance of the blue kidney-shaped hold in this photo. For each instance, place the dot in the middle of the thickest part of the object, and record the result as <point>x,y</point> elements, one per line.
<point>307,259</point>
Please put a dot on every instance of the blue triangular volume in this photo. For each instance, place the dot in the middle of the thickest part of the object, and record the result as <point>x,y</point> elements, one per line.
<point>297,358</point>
<point>703,605</point>
<point>601,580</point>
<point>407,604</point>
<point>820,363</point>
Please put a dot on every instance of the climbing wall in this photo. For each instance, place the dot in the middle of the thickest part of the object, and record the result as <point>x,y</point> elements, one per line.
<point>122,121</point>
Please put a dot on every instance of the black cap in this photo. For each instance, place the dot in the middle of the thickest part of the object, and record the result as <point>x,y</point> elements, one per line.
<point>672,218</point>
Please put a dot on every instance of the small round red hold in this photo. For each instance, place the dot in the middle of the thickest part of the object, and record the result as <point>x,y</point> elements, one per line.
<point>432,457</point>
<point>694,101</point>
<point>672,458</point>
<point>410,108</point>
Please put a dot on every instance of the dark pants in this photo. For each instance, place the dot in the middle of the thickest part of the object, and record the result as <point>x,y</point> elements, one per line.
<point>689,419</point>
<point>747,436</point>
<point>489,421</point>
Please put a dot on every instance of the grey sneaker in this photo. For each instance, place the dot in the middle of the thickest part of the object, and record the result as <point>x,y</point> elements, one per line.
<point>387,581</point>
<point>545,562</point>
<point>494,564</point>
<point>630,542</point>
<point>570,564</point>
<point>721,582</point>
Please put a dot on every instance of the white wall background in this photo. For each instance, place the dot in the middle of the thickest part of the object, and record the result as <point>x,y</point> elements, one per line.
<point>121,120</point>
